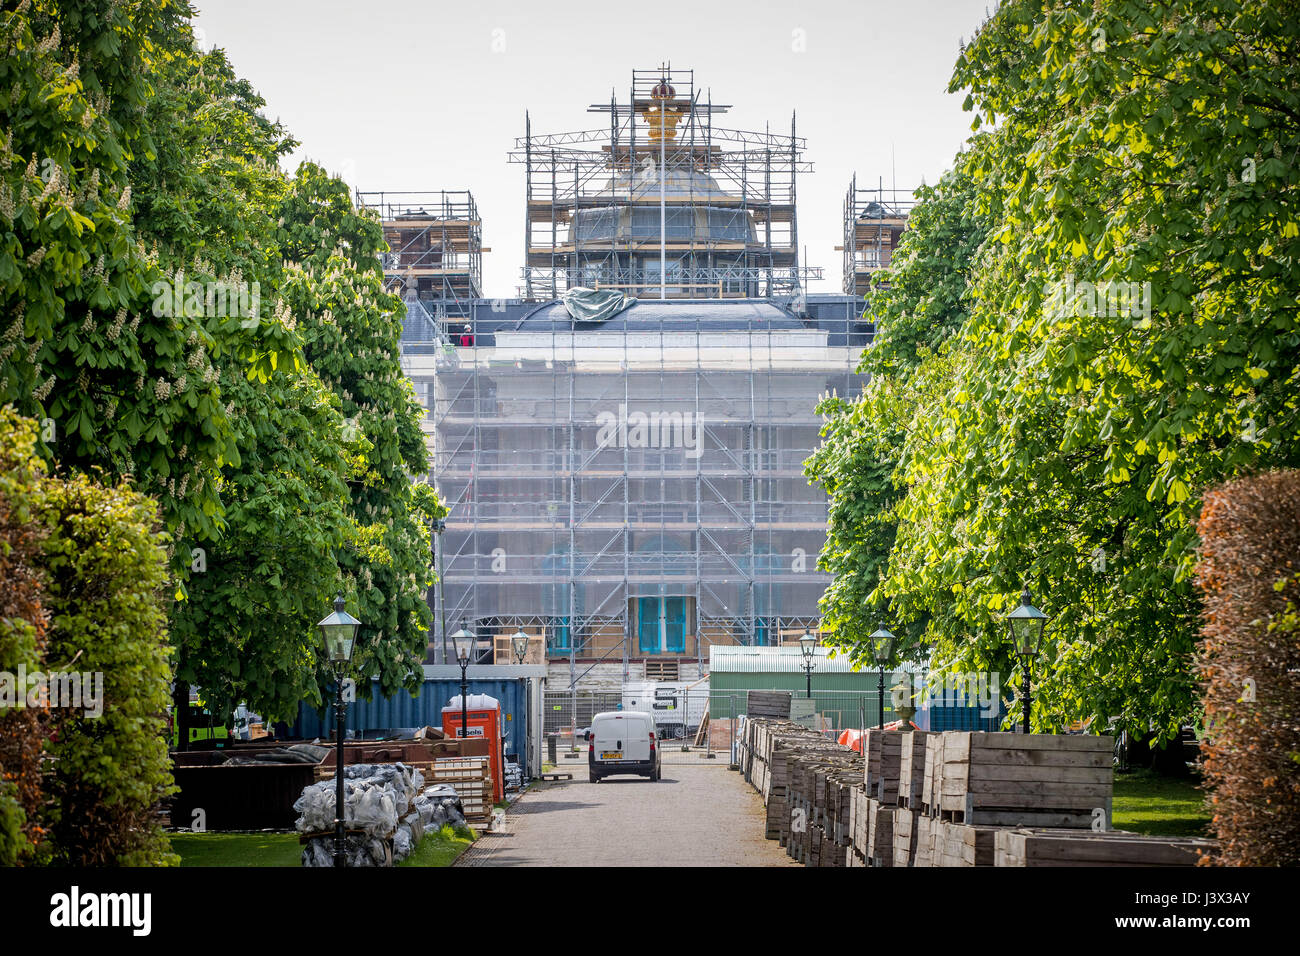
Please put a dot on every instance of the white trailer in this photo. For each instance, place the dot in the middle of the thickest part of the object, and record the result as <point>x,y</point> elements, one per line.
<point>678,706</point>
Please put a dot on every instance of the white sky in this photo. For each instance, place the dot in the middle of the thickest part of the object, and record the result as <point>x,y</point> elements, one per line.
<point>410,95</point>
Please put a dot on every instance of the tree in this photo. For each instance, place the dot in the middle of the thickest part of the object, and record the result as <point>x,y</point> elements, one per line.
<point>1132,338</point>
<point>82,350</point>
<point>352,328</point>
<point>916,305</point>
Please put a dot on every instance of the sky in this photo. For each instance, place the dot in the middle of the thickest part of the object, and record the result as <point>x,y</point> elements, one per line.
<point>411,95</point>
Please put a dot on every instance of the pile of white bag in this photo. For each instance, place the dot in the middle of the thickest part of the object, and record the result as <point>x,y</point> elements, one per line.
<point>387,803</point>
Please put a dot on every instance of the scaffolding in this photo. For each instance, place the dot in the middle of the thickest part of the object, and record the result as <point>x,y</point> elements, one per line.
<point>874,221</point>
<point>632,491</point>
<point>662,202</point>
<point>435,256</point>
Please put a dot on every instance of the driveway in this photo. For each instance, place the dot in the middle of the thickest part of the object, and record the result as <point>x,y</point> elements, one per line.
<point>699,814</point>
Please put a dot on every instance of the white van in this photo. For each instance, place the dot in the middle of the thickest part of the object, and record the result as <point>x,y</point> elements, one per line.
<point>621,741</point>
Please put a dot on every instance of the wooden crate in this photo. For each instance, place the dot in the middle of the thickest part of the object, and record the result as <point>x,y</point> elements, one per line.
<point>1048,847</point>
<point>932,775</point>
<point>884,752</point>
<point>768,704</point>
<point>1051,780</point>
<point>911,767</point>
<point>880,834</point>
<point>925,830</point>
<point>961,844</point>
<point>905,836</point>
<point>471,777</point>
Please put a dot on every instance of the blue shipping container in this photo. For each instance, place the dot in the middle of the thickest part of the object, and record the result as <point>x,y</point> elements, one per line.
<point>405,711</point>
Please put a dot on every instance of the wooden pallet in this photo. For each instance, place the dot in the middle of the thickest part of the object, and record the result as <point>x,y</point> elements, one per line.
<point>880,834</point>
<point>932,775</point>
<point>959,844</point>
<point>911,767</point>
<point>1030,847</point>
<point>771,704</point>
<point>884,750</point>
<point>905,836</point>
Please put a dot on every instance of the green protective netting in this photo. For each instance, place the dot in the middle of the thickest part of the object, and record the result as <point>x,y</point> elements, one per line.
<point>594,305</point>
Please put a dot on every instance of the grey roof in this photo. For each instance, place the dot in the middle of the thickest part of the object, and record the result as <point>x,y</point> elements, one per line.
<point>729,659</point>
<point>654,315</point>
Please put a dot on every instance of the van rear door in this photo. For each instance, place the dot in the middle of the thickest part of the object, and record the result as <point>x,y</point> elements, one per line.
<point>637,745</point>
<point>609,732</point>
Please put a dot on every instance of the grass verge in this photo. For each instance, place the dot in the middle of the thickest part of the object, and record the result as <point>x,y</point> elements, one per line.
<point>441,848</point>
<point>1146,802</point>
<point>237,849</point>
<point>283,849</point>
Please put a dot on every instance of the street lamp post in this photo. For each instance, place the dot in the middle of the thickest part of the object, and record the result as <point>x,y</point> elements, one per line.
<point>519,642</point>
<point>808,647</point>
<point>339,636</point>
<point>1025,628</point>
<point>464,643</point>
<point>882,649</point>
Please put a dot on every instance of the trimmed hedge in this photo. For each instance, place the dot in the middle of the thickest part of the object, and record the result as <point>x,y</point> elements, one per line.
<point>83,589</point>
<point>107,569</point>
<point>1249,662</point>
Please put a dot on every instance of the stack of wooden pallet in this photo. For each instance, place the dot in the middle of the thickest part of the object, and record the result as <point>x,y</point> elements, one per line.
<point>961,844</point>
<point>1055,847</point>
<point>911,767</point>
<point>817,778</point>
<point>931,775</point>
<point>880,834</point>
<point>768,704</point>
<point>771,747</point>
<point>471,777</point>
<point>884,757</point>
<point>905,836</point>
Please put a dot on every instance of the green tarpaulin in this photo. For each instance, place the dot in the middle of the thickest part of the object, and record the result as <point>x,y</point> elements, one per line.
<point>594,305</point>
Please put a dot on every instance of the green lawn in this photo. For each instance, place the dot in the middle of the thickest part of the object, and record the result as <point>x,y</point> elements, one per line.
<point>283,849</point>
<point>237,849</point>
<point>442,848</point>
<point>1160,806</point>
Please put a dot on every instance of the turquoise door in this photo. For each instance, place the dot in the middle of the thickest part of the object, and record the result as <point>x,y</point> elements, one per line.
<point>675,624</point>
<point>647,628</point>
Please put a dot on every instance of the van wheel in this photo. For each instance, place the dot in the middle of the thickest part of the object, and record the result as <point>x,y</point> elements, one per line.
<point>592,778</point>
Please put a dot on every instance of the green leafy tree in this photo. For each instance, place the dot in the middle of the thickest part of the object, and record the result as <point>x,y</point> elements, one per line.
<point>351,327</point>
<point>916,305</point>
<point>1131,337</point>
<point>82,350</point>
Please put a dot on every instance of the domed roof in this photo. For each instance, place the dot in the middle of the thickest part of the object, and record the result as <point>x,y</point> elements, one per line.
<point>678,182</point>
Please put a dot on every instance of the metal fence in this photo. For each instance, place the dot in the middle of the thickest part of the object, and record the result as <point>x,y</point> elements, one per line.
<point>680,712</point>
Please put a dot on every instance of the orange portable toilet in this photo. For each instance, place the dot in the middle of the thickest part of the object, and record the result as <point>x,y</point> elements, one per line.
<point>483,720</point>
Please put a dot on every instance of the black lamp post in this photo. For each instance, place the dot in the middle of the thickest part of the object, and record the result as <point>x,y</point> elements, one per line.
<point>808,646</point>
<point>338,634</point>
<point>519,642</point>
<point>1025,627</point>
<point>464,644</point>
<point>882,649</point>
